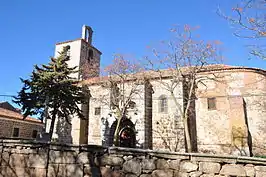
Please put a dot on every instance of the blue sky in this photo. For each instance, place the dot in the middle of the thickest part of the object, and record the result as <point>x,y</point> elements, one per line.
<point>30,28</point>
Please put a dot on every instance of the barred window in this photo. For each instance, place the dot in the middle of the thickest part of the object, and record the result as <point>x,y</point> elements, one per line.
<point>211,103</point>
<point>16,132</point>
<point>97,111</point>
<point>163,104</point>
<point>34,134</point>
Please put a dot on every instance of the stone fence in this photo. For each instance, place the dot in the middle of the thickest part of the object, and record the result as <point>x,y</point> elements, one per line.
<point>35,159</point>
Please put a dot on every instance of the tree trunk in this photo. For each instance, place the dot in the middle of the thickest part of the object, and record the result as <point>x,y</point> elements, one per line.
<point>185,122</point>
<point>52,124</point>
<point>116,142</point>
<point>187,134</point>
<point>51,128</point>
<point>186,117</point>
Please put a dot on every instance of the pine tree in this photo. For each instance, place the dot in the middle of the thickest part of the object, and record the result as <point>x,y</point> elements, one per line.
<point>51,91</point>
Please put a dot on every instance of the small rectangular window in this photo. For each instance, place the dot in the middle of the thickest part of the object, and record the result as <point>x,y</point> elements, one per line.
<point>16,132</point>
<point>97,111</point>
<point>211,103</point>
<point>34,134</point>
<point>163,104</point>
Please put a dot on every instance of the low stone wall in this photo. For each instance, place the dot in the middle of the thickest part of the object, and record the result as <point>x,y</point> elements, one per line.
<point>33,159</point>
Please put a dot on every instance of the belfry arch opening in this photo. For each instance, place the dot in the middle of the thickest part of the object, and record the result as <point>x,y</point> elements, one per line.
<point>87,33</point>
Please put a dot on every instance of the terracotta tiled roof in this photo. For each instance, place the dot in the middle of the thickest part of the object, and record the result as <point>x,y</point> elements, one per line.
<point>168,72</point>
<point>15,115</point>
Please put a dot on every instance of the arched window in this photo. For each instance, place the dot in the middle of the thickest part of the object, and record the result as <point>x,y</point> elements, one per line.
<point>162,103</point>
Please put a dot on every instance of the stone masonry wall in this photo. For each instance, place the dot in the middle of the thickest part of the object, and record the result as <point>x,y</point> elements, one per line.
<point>25,128</point>
<point>236,125</point>
<point>24,159</point>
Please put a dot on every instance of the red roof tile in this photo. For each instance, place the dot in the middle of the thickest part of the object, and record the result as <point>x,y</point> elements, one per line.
<point>167,72</point>
<point>15,115</point>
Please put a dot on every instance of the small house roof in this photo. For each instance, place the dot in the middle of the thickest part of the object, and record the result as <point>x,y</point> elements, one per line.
<point>8,111</point>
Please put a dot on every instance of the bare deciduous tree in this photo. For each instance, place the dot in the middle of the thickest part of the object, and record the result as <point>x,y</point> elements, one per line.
<point>123,81</point>
<point>184,57</point>
<point>249,20</point>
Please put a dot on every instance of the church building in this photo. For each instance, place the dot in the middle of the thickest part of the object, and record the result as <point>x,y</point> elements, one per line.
<point>229,117</point>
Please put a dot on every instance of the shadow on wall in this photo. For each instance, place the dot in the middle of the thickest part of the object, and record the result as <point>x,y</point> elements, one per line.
<point>23,163</point>
<point>169,134</point>
<point>24,159</point>
<point>106,133</point>
<point>249,138</point>
<point>63,130</point>
<point>56,164</point>
<point>258,143</point>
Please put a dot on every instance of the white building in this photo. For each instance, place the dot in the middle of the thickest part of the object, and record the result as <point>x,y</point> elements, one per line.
<point>218,125</point>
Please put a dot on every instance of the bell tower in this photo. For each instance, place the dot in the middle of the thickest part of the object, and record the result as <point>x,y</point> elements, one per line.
<point>87,33</point>
<point>90,56</point>
<point>86,58</point>
<point>83,54</point>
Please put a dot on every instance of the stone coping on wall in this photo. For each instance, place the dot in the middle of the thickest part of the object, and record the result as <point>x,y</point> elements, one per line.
<point>25,144</point>
<point>33,144</point>
<point>189,156</point>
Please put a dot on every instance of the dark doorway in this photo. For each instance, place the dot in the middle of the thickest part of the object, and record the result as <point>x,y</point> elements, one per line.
<point>127,133</point>
<point>127,137</point>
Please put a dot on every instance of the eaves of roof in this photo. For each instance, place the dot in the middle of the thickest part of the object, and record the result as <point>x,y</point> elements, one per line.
<point>17,116</point>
